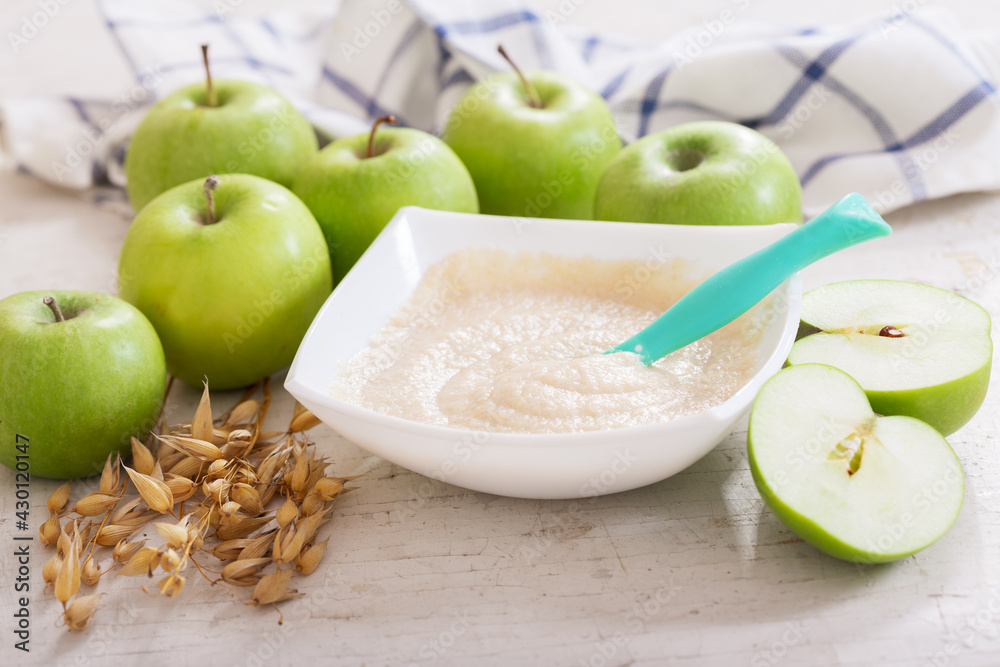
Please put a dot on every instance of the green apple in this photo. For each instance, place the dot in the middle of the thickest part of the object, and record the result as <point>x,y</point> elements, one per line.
<point>355,185</point>
<point>223,128</point>
<point>231,271</point>
<point>855,485</point>
<point>535,144</point>
<point>701,173</point>
<point>80,374</point>
<point>917,350</point>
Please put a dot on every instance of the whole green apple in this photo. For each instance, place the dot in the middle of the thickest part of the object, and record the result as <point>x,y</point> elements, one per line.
<point>80,374</point>
<point>701,173</point>
<point>916,350</point>
<point>230,271</point>
<point>859,486</point>
<point>355,185</point>
<point>223,128</point>
<point>536,144</point>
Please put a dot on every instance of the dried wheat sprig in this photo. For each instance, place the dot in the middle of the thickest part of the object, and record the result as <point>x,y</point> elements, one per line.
<point>231,468</point>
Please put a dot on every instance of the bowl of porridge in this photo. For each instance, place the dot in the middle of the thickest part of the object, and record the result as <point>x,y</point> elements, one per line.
<point>470,349</point>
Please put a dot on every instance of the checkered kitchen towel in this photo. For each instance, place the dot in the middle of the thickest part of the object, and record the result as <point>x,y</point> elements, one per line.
<point>900,108</point>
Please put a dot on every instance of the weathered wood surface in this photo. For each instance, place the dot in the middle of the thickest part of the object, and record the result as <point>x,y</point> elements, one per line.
<point>691,571</point>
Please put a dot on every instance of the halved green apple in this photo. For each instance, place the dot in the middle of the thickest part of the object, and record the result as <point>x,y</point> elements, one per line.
<point>916,350</point>
<point>858,486</point>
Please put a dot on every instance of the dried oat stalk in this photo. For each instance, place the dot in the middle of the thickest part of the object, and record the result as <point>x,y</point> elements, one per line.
<point>222,489</point>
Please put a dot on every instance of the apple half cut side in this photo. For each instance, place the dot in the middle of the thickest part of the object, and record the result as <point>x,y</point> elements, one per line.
<point>860,487</point>
<point>916,350</point>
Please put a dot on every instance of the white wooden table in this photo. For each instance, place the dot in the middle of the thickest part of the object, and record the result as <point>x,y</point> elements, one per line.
<point>691,571</point>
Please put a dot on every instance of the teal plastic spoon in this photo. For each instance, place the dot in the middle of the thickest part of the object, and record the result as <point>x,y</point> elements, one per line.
<point>734,290</point>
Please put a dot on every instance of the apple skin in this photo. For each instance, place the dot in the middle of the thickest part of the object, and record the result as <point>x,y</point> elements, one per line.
<point>947,405</point>
<point>819,537</point>
<point>231,301</point>
<point>353,197</point>
<point>542,163</point>
<point>78,389</point>
<point>946,465</point>
<point>252,130</point>
<point>701,173</point>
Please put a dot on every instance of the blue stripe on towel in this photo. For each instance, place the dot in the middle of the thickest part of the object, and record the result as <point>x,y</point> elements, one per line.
<point>489,25</point>
<point>811,73</point>
<point>650,100</point>
<point>930,131</point>
<point>371,106</point>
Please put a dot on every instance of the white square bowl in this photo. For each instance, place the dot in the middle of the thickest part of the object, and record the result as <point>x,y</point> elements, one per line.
<point>561,465</point>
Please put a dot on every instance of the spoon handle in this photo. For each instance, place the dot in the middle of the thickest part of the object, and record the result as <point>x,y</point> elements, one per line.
<point>734,290</point>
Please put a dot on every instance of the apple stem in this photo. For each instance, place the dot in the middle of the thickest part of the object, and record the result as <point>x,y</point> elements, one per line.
<point>889,331</point>
<point>533,97</point>
<point>54,307</point>
<point>371,137</point>
<point>212,101</point>
<point>211,183</point>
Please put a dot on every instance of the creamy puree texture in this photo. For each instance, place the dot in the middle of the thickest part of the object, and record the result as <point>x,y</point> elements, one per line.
<point>499,341</point>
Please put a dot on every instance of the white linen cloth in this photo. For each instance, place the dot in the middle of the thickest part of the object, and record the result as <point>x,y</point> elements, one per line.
<point>900,108</point>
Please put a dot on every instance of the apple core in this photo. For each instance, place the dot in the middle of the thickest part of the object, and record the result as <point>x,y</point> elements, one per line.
<point>684,159</point>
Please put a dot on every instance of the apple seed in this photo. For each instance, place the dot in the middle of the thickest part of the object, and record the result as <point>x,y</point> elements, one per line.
<point>889,331</point>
